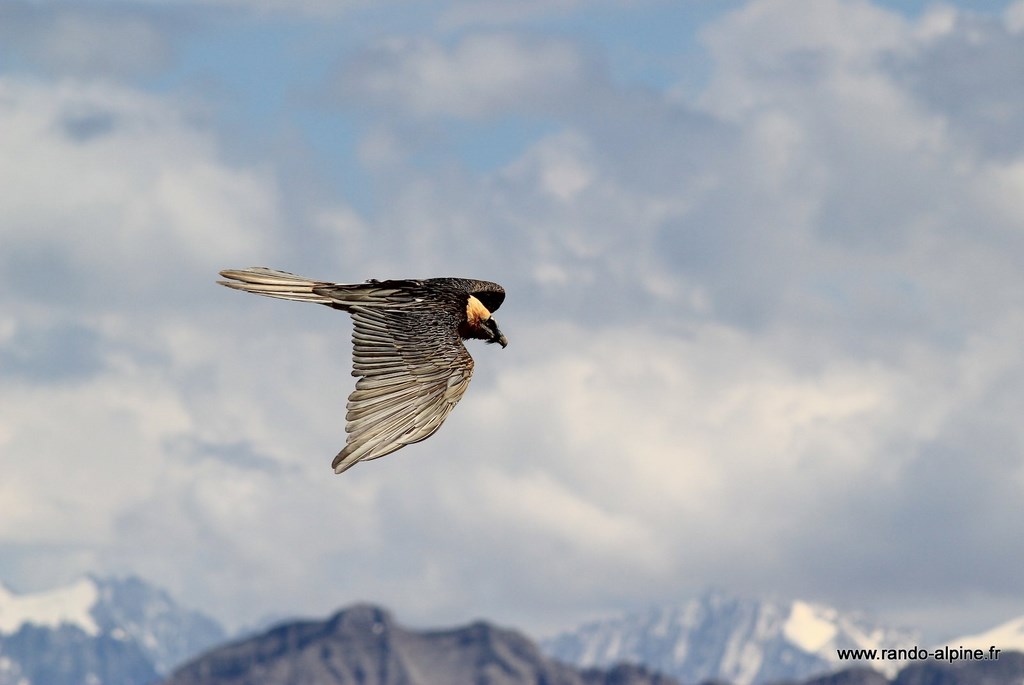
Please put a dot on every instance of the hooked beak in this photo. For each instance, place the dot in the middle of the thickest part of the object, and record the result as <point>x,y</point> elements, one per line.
<point>496,335</point>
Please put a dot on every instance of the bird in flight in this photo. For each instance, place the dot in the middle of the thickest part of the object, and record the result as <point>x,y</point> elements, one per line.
<point>407,349</point>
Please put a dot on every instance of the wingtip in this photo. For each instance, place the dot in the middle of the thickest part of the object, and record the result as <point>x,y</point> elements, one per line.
<point>234,273</point>
<point>342,463</point>
<point>234,276</point>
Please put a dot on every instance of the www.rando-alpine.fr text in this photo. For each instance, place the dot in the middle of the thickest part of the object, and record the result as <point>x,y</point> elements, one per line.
<point>949,654</point>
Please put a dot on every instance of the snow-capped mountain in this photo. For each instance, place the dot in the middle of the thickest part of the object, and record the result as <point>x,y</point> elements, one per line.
<point>69,605</point>
<point>1007,636</point>
<point>745,641</point>
<point>167,632</point>
<point>98,631</point>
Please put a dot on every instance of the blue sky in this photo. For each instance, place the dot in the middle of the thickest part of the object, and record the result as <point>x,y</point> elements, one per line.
<point>765,305</point>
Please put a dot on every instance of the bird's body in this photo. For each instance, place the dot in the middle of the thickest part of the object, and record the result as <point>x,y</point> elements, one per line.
<point>407,349</point>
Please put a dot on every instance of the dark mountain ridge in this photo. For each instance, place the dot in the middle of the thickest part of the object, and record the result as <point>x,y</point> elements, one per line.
<point>363,645</point>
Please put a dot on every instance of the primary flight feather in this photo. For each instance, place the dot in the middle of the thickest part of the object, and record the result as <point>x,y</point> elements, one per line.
<point>407,349</point>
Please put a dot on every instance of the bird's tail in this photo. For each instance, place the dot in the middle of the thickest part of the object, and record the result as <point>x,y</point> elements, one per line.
<point>273,283</point>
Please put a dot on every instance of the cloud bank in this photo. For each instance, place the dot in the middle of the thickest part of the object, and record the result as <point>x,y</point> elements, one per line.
<point>766,335</point>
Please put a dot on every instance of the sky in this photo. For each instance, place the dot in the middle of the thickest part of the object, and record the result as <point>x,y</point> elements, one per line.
<point>765,303</point>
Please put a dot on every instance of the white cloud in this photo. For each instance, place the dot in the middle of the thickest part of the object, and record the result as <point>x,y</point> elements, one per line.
<point>301,8</point>
<point>957,73</point>
<point>481,75</point>
<point>461,14</point>
<point>793,40</point>
<point>561,164</point>
<point>1014,17</point>
<point>120,191</point>
<point>117,212</point>
<point>86,41</point>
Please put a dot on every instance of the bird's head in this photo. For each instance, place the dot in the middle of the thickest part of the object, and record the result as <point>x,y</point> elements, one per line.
<point>494,334</point>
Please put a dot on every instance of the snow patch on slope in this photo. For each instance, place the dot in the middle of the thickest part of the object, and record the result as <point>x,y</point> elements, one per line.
<point>1006,636</point>
<point>68,605</point>
<point>810,628</point>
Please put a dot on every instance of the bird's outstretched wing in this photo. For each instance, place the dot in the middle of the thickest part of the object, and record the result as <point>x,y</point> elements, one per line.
<point>411,363</point>
<point>413,370</point>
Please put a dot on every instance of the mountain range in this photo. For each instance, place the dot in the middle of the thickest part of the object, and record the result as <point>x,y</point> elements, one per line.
<point>363,645</point>
<point>107,631</point>
<point>98,631</point>
<point>742,640</point>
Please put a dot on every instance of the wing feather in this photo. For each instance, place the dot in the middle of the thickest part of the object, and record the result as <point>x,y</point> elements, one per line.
<point>412,368</point>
